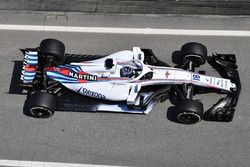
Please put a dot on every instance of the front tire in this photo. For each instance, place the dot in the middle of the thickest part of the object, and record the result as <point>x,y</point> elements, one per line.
<point>195,52</point>
<point>189,112</point>
<point>41,104</point>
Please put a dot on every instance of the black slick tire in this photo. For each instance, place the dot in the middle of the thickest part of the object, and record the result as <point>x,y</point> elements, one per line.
<point>52,47</point>
<point>41,104</point>
<point>189,112</point>
<point>195,52</point>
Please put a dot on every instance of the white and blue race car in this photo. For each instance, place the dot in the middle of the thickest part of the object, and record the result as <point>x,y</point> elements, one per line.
<point>130,81</point>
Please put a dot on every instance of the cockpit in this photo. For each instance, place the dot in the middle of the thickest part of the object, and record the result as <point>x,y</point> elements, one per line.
<point>134,70</point>
<point>130,69</point>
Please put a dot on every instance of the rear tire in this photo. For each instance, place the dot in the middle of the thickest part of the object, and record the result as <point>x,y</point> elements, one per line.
<point>41,104</point>
<point>189,112</point>
<point>52,47</point>
<point>195,52</point>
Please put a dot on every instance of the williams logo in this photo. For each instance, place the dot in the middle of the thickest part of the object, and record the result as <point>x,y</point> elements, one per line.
<point>196,77</point>
<point>86,77</point>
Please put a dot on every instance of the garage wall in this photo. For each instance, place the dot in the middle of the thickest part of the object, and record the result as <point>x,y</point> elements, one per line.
<point>203,7</point>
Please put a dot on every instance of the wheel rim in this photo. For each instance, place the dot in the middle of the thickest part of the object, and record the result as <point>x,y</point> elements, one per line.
<point>41,112</point>
<point>198,60</point>
<point>188,118</point>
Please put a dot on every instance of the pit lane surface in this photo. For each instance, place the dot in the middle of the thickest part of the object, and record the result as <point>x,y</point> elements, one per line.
<point>123,139</point>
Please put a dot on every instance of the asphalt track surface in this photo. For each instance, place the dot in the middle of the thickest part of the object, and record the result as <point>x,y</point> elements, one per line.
<point>123,139</point>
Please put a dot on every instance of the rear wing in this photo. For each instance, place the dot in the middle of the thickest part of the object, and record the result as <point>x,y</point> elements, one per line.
<point>29,68</point>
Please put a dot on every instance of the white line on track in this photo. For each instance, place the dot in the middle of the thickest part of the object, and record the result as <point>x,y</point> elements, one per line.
<point>112,30</point>
<point>16,163</point>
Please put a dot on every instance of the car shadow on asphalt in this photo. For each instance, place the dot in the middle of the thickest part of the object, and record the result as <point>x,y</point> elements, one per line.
<point>176,57</point>
<point>14,88</point>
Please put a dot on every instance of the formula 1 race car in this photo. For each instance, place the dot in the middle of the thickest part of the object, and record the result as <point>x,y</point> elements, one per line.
<point>130,81</point>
